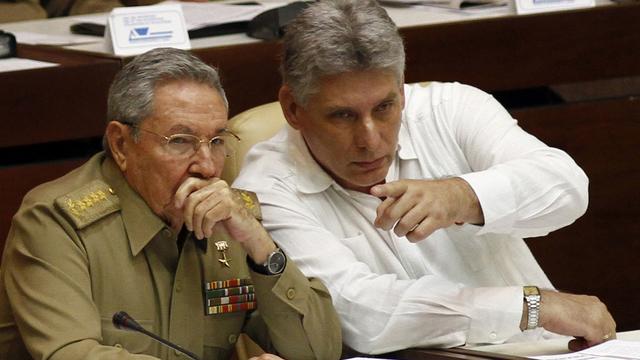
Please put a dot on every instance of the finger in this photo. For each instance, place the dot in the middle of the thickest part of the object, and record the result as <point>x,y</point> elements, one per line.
<point>205,213</point>
<point>200,190</point>
<point>578,344</point>
<point>597,336</point>
<point>189,209</point>
<point>409,221</point>
<point>185,189</point>
<point>393,209</point>
<point>380,220</point>
<point>213,217</point>
<point>423,230</point>
<point>218,198</point>
<point>264,357</point>
<point>393,189</point>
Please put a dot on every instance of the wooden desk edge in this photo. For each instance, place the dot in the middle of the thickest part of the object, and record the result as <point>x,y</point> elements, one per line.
<point>434,354</point>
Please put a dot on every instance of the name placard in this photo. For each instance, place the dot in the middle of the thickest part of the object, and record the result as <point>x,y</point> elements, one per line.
<point>137,29</point>
<point>538,6</point>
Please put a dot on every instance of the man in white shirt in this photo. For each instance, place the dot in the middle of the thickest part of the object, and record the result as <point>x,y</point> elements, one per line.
<point>410,202</point>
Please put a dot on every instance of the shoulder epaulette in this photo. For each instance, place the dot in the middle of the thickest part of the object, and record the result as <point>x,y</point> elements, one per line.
<point>89,203</point>
<point>250,201</point>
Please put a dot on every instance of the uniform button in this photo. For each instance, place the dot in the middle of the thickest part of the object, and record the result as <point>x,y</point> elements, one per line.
<point>166,233</point>
<point>232,338</point>
<point>111,191</point>
<point>178,287</point>
<point>178,353</point>
<point>118,346</point>
<point>493,336</point>
<point>291,293</point>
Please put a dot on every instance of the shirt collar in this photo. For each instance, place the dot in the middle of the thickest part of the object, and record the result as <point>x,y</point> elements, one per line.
<point>312,178</point>
<point>140,222</point>
<point>405,145</point>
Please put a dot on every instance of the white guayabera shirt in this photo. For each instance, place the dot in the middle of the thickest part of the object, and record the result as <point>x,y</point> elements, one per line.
<point>462,284</point>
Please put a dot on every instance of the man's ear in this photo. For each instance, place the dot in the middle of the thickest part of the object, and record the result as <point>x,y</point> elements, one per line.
<point>118,138</point>
<point>289,106</point>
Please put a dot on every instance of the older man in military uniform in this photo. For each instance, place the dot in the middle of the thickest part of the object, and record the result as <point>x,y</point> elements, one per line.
<point>148,227</point>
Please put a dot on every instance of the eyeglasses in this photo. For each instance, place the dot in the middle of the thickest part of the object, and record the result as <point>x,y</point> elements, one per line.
<point>187,145</point>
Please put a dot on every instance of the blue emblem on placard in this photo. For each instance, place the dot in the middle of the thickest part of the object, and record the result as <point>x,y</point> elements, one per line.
<point>141,34</point>
<point>141,31</point>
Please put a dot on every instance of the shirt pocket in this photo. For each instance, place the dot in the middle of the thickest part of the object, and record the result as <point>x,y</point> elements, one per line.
<point>365,252</point>
<point>131,341</point>
<point>221,333</point>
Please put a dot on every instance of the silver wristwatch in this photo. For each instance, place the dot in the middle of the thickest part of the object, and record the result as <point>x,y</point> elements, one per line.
<point>532,298</point>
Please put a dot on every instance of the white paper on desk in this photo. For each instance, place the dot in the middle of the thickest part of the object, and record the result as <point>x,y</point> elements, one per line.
<point>15,64</point>
<point>100,19</point>
<point>538,6</point>
<point>610,350</point>
<point>199,15</point>
<point>452,4</point>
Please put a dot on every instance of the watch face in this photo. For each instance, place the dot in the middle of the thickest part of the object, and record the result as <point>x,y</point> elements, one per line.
<point>276,262</point>
<point>531,290</point>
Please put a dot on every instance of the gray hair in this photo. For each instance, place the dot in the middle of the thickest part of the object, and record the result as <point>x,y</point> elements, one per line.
<point>132,92</point>
<point>337,36</point>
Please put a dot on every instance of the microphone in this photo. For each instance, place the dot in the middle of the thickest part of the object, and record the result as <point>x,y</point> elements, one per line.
<point>122,320</point>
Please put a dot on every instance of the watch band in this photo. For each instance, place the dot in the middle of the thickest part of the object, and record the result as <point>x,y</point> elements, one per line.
<point>533,299</point>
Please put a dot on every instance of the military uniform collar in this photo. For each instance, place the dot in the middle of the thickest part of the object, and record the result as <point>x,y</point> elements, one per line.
<point>140,222</point>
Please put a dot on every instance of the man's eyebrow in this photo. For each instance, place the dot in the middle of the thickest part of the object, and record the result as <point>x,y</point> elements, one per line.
<point>179,128</point>
<point>183,129</point>
<point>334,108</point>
<point>391,96</point>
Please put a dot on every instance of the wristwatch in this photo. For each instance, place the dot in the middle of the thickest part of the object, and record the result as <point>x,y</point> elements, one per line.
<point>532,298</point>
<point>275,264</point>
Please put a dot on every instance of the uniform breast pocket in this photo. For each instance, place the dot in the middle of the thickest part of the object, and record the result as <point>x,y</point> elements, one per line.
<point>131,341</point>
<point>221,333</point>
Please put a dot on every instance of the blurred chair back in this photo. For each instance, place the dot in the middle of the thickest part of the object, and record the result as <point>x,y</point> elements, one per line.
<point>252,126</point>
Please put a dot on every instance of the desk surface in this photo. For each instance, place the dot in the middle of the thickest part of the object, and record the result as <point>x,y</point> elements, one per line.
<point>494,52</point>
<point>511,351</point>
<point>404,17</point>
<point>544,347</point>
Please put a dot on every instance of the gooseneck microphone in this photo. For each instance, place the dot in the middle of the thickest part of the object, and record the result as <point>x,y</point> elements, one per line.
<point>122,320</point>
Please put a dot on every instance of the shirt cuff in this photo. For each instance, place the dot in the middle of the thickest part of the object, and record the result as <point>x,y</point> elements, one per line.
<point>496,314</point>
<point>498,203</point>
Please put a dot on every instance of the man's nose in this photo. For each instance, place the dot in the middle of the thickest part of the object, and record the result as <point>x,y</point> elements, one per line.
<point>367,133</point>
<point>204,163</point>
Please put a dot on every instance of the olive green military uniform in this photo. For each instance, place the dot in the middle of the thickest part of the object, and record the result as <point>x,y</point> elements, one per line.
<point>18,10</point>
<point>86,245</point>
